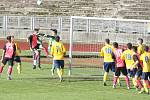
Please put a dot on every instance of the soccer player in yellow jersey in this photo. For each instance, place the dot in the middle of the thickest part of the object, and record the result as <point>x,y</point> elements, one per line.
<point>145,58</point>
<point>17,55</point>
<point>58,52</point>
<point>108,53</point>
<point>137,64</point>
<point>127,56</point>
<point>140,46</point>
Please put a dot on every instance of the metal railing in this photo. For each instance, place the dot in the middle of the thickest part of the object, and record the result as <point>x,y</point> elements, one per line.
<point>22,26</point>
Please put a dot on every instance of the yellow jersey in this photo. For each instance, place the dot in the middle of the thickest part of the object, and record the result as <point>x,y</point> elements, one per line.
<point>107,52</point>
<point>127,56</point>
<point>145,58</point>
<point>58,51</point>
<point>18,51</point>
<point>140,49</point>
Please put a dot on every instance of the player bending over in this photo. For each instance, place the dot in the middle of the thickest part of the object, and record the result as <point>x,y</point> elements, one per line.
<point>58,52</point>
<point>108,53</point>
<point>138,66</point>
<point>8,56</point>
<point>120,66</point>
<point>17,55</point>
<point>145,58</point>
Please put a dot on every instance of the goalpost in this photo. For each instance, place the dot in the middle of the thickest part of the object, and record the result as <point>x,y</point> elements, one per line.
<point>87,36</point>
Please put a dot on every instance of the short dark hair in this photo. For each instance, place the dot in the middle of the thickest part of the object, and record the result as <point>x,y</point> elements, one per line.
<point>141,40</point>
<point>36,29</point>
<point>129,45</point>
<point>134,48</point>
<point>9,38</point>
<point>12,36</point>
<point>107,41</point>
<point>146,48</point>
<point>54,30</point>
<point>57,38</point>
<point>115,44</point>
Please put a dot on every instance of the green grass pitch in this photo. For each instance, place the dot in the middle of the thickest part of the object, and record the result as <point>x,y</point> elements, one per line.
<point>39,85</point>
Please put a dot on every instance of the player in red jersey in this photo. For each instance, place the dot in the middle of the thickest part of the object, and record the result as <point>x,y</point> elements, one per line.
<point>35,43</point>
<point>120,66</point>
<point>8,56</point>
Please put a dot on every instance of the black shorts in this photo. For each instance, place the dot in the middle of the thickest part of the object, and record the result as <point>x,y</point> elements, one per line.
<point>36,47</point>
<point>120,70</point>
<point>9,60</point>
<point>17,59</point>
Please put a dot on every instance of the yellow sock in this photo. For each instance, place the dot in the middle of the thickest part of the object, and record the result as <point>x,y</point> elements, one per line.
<point>19,68</point>
<point>62,72</point>
<point>105,76</point>
<point>118,80</point>
<point>59,72</point>
<point>145,86</point>
<point>134,82</point>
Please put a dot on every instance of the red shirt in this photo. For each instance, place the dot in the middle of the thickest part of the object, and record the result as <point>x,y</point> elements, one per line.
<point>10,50</point>
<point>34,40</point>
<point>119,61</point>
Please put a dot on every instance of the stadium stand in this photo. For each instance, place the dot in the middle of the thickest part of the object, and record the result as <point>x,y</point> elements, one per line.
<point>133,9</point>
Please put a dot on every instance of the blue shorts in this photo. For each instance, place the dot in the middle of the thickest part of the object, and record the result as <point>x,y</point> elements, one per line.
<point>132,72</point>
<point>146,75</point>
<point>139,73</point>
<point>109,66</point>
<point>59,64</point>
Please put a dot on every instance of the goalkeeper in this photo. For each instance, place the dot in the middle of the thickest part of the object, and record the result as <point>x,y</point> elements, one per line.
<point>50,43</point>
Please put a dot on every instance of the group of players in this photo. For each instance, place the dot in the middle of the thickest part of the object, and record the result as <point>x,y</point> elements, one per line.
<point>134,62</point>
<point>56,50</point>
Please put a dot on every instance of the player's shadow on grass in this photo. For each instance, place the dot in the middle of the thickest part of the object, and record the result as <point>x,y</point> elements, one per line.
<point>85,78</point>
<point>39,79</point>
<point>69,79</point>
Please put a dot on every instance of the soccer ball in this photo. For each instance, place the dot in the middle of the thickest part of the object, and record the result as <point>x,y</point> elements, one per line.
<point>39,2</point>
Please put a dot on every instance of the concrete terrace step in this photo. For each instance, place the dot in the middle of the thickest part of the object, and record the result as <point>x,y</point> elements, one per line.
<point>98,8</point>
<point>137,17</point>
